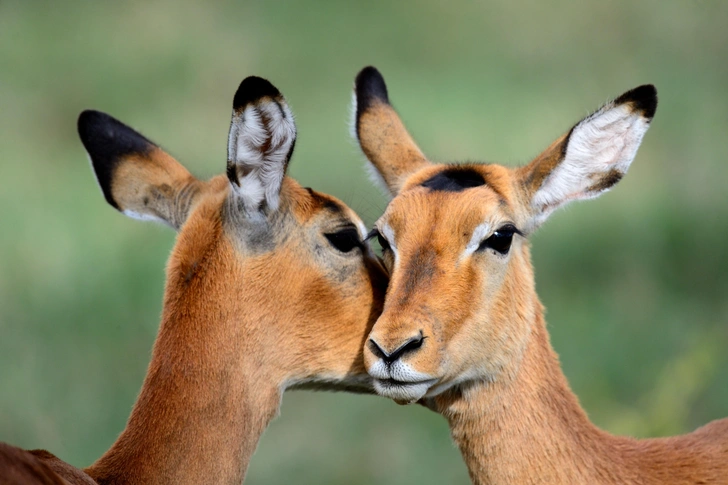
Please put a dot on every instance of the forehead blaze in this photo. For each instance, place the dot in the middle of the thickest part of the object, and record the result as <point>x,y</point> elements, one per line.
<point>460,178</point>
<point>446,218</point>
<point>454,179</point>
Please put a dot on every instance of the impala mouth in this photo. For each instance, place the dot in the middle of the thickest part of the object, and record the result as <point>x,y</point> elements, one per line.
<point>403,391</point>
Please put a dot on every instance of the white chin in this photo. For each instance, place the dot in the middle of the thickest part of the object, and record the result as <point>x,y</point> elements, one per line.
<point>401,391</point>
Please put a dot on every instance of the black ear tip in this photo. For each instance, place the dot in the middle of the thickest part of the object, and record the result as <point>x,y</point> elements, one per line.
<point>107,141</point>
<point>643,99</point>
<point>369,74</point>
<point>369,85</point>
<point>252,89</point>
<point>104,134</point>
<point>96,129</point>
<point>87,120</point>
<point>86,117</point>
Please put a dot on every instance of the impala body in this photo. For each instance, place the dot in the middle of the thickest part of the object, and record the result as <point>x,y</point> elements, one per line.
<point>463,328</point>
<point>269,286</point>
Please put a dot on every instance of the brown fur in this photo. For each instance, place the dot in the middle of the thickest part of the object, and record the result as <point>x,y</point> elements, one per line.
<point>20,467</point>
<point>156,184</point>
<point>237,329</point>
<point>498,380</point>
<point>255,302</point>
<point>380,130</point>
<point>37,467</point>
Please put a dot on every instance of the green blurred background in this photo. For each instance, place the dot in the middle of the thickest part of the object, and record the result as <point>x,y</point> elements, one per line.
<point>635,282</point>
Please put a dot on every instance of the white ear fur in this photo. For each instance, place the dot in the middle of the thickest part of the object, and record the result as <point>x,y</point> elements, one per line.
<point>262,136</point>
<point>598,152</point>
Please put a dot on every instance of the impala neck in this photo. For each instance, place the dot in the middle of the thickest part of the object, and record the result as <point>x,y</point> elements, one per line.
<point>528,427</point>
<point>194,422</point>
<point>207,396</point>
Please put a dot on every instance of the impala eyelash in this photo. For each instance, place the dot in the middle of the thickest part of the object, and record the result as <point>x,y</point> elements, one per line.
<point>512,228</point>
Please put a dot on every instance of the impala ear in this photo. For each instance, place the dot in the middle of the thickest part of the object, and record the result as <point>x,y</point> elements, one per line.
<point>136,176</point>
<point>381,134</point>
<point>260,144</point>
<point>592,157</point>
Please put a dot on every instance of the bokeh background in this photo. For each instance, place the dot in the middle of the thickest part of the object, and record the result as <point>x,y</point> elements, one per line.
<point>635,283</point>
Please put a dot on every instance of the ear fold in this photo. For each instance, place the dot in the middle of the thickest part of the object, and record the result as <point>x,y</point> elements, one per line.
<point>260,144</point>
<point>592,157</point>
<point>381,134</point>
<point>136,176</point>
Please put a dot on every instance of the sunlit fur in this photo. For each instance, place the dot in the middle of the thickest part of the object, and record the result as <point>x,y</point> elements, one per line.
<point>495,375</point>
<point>432,231</point>
<point>253,304</point>
<point>239,324</point>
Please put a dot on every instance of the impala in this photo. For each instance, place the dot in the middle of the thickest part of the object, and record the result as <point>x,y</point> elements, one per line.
<point>270,286</point>
<point>463,329</point>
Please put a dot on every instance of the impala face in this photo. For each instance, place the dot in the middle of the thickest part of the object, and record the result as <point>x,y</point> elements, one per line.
<point>452,242</point>
<point>279,272</point>
<point>461,297</point>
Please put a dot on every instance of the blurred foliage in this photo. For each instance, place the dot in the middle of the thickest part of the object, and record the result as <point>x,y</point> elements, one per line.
<point>635,282</point>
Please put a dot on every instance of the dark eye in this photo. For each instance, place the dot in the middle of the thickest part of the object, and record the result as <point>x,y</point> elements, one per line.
<point>383,243</point>
<point>344,240</point>
<point>500,240</point>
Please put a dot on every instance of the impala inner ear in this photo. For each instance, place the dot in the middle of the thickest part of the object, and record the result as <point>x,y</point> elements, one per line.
<point>592,157</point>
<point>381,133</point>
<point>260,144</point>
<point>136,176</point>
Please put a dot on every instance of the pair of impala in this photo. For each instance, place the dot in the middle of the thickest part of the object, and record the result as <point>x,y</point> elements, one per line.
<point>272,286</point>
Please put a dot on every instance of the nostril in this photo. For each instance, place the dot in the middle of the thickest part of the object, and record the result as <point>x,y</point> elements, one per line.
<point>377,350</point>
<point>410,345</point>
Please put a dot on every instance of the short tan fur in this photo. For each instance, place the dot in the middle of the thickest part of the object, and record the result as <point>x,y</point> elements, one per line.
<point>463,329</point>
<point>270,286</point>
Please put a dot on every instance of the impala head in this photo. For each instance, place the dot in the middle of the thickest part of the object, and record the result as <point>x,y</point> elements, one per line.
<point>461,297</point>
<point>273,275</point>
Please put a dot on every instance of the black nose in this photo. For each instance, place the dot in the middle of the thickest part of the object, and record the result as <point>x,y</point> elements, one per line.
<point>410,345</point>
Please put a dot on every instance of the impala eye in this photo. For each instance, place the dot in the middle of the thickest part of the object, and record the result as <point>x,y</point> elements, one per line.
<point>383,243</point>
<point>345,240</point>
<point>500,240</point>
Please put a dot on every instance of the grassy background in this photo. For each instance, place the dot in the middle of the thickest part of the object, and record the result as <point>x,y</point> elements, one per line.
<point>635,282</point>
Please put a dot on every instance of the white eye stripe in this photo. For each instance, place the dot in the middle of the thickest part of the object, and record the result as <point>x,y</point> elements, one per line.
<point>479,234</point>
<point>362,230</point>
<point>388,234</point>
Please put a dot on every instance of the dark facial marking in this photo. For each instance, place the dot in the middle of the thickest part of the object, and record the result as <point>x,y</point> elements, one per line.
<point>420,271</point>
<point>325,202</point>
<point>454,180</point>
<point>107,141</point>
